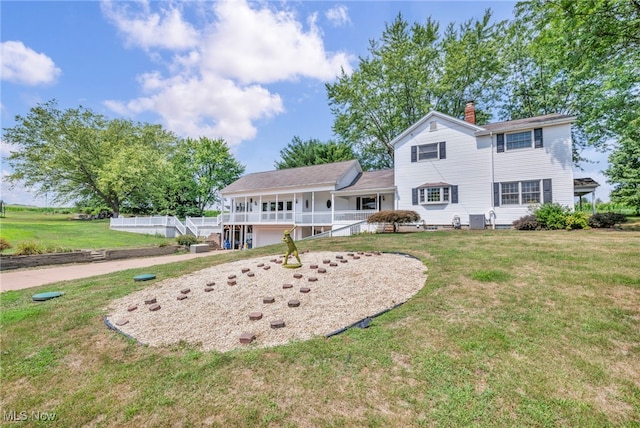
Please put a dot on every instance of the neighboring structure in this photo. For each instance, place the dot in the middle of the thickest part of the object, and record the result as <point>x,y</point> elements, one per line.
<point>451,171</point>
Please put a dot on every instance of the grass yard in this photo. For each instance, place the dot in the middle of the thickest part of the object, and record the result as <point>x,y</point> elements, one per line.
<point>511,329</point>
<point>56,230</point>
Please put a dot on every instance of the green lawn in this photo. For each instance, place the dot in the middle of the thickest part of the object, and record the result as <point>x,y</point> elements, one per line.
<point>57,230</point>
<point>511,329</point>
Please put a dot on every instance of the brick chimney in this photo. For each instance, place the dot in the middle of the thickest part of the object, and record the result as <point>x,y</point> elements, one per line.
<point>470,113</point>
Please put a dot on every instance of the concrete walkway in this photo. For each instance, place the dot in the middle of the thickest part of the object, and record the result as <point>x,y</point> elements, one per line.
<point>26,278</point>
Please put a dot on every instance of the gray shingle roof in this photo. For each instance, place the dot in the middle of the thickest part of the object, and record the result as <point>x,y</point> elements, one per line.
<point>315,175</point>
<point>372,180</point>
<point>529,122</point>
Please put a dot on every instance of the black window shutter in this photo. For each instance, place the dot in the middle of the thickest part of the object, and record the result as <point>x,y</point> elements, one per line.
<point>414,153</point>
<point>500,142</point>
<point>546,191</point>
<point>454,194</point>
<point>414,196</point>
<point>358,203</point>
<point>537,138</point>
<point>496,194</point>
<point>443,149</point>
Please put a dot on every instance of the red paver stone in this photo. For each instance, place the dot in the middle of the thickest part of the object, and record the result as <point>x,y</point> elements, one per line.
<point>155,307</point>
<point>285,286</point>
<point>150,301</point>
<point>313,266</point>
<point>273,260</point>
<point>245,270</point>
<point>122,322</point>
<point>279,262</point>
<point>368,254</point>
<point>268,299</point>
<point>297,275</point>
<point>333,264</point>
<point>251,274</point>
<point>313,279</point>
<point>294,303</point>
<point>339,257</point>
<point>326,261</point>
<point>277,323</point>
<point>349,254</point>
<point>266,267</point>
<point>260,264</point>
<point>356,257</point>
<point>132,308</point>
<point>344,261</point>
<point>181,296</point>
<point>255,316</point>
<point>207,289</point>
<point>211,284</point>
<point>231,277</point>
<point>305,289</point>
<point>185,290</point>
<point>322,270</point>
<point>232,282</point>
<point>246,338</point>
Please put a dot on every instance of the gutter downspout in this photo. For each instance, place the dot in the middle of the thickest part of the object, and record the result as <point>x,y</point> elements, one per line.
<point>493,181</point>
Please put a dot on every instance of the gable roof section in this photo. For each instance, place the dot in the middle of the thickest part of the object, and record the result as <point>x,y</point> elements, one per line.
<point>438,115</point>
<point>314,175</point>
<point>371,181</point>
<point>528,123</point>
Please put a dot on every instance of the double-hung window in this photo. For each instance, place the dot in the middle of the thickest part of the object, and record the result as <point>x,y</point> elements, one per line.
<point>432,151</point>
<point>519,140</point>
<point>522,192</point>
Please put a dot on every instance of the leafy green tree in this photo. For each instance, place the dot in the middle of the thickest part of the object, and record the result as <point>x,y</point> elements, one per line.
<point>313,152</point>
<point>582,58</point>
<point>624,173</point>
<point>78,155</point>
<point>211,167</point>
<point>409,72</point>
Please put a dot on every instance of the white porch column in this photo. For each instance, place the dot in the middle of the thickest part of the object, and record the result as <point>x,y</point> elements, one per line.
<point>333,208</point>
<point>313,211</point>
<point>378,201</point>
<point>276,208</point>
<point>260,209</point>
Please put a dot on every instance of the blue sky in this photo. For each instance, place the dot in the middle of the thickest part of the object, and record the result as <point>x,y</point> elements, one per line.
<point>252,73</point>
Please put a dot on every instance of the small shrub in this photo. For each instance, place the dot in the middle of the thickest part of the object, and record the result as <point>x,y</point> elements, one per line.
<point>605,220</point>
<point>186,240</point>
<point>527,222</point>
<point>552,216</point>
<point>576,220</point>
<point>394,217</point>
<point>4,245</point>
<point>56,249</point>
<point>28,248</point>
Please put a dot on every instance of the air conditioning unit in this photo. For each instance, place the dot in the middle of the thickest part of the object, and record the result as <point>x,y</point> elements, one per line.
<point>476,221</point>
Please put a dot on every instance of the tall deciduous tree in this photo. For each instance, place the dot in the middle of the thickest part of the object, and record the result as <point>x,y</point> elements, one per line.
<point>313,152</point>
<point>78,155</point>
<point>210,166</point>
<point>410,71</point>
<point>578,57</point>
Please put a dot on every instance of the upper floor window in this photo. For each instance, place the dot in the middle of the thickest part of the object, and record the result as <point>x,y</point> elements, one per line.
<point>519,140</point>
<point>429,151</point>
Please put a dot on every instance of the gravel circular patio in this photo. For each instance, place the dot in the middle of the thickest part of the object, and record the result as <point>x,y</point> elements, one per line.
<point>260,303</point>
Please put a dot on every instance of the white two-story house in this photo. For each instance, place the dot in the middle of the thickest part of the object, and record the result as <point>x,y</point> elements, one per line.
<point>451,170</point>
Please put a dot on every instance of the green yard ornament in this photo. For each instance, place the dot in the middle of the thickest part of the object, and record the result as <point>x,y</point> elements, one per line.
<point>291,249</point>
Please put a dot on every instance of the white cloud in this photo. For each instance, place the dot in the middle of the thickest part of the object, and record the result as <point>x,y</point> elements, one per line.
<point>23,65</point>
<point>216,88</point>
<point>262,45</point>
<point>165,29</point>
<point>339,16</point>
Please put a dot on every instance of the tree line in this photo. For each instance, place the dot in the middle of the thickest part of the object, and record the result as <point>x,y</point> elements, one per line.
<point>80,156</point>
<point>579,58</point>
